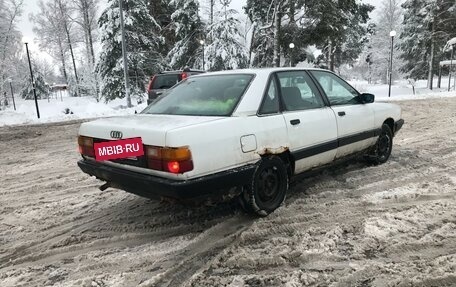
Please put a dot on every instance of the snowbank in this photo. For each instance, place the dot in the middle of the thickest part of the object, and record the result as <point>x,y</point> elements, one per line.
<point>54,110</point>
<point>402,90</point>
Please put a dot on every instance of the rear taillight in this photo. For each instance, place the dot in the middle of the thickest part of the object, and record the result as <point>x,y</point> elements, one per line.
<point>173,160</point>
<point>86,146</point>
<point>184,76</point>
<point>151,83</point>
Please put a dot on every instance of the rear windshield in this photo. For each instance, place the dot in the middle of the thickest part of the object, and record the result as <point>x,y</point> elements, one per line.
<point>165,81</point>
<point>211,95</point>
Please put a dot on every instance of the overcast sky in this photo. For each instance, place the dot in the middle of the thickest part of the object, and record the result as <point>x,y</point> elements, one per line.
<point>31,6</point>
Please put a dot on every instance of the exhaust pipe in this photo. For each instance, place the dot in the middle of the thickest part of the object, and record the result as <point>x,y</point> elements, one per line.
<point>105,186</point>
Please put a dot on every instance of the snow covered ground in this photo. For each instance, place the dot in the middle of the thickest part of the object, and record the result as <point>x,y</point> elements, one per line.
<point>87,107</point>
<point>54,110</point>
<point>352,225</point>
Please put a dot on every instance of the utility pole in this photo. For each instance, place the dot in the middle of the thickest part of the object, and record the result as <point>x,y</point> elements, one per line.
<point>33,82</point>
<point>124,55</point>
<point>392,34</point>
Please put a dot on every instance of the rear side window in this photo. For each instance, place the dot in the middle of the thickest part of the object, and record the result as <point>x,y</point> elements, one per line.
<point>270,103</point>
<point>212,95</point>
<point>165,81</point>
<point>298,91</point>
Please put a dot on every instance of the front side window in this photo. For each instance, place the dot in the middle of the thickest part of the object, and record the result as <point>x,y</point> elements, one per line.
<point>298,91</point>
<point>211,95</point>
<point>336,89</point>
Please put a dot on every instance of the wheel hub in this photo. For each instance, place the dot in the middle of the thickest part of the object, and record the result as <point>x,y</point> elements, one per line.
<point>268,185</point>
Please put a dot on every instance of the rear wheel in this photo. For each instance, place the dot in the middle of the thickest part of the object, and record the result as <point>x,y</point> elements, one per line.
<point>382,149</point>
<point>268,188</point>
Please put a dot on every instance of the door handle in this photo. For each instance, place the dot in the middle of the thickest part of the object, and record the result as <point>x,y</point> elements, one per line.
<point>295,122</point>
<point>341,114</point>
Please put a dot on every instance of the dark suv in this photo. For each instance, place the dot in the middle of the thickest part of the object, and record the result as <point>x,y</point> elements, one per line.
<point>165,80</point>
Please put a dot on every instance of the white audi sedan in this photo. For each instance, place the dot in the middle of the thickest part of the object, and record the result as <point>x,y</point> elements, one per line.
<point>241,133</point>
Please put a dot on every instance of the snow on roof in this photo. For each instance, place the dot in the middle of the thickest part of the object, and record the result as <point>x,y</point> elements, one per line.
<point>452,41</point>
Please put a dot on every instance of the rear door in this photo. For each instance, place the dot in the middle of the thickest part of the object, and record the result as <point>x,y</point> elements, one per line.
<point>355,120</point>
<point>311,125</point>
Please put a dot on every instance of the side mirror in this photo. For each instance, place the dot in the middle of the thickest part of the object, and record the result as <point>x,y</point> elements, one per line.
<point>367,98</point>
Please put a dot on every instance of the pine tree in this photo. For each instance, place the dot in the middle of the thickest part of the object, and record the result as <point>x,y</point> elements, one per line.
<point>337,27</point>
<point>142,48</point>
<point>340,29</point>
<point>427,25</point>
<point>161,11</point>
<point>188,30</point>
<point>225,51</point>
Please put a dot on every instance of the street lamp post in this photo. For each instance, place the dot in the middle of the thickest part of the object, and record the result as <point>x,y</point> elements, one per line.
<point>292,45</point>
<point>392,34</point>
<point>12,94</point>
<point>451,65</point>
<point>33,81</point>
<point>202,44</point>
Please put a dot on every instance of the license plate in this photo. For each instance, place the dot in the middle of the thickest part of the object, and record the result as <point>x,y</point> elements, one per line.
<point>119,149</point>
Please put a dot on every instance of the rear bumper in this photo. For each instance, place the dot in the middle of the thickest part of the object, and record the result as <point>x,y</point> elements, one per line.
<point>398,125</point>
<point>211,186</point>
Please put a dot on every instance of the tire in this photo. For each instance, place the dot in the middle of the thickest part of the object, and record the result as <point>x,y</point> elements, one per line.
<point>382,149</point>
<point>268,188</point>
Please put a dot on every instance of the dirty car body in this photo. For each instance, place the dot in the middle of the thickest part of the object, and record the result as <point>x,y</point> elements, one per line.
<point>245,130</point>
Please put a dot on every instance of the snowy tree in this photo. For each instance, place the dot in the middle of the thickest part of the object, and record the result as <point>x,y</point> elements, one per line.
<point>56,34</point>
<point>337,27</point>
<point>188,30</point>
<point>266,17</point>
<point>340,29</point>
<point>161,11</point>
<point>427,25</point>
<point>64,18</point>
<point>142,48</point>
<point>86,19</point>
<point>42,88</point>
<point>51,36</point>
<point>10,39</point>
<point>377,53</point>
<point>225,50</point>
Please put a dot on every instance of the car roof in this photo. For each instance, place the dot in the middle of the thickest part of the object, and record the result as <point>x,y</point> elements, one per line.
<point>258,71</point>
<point>180,71</point>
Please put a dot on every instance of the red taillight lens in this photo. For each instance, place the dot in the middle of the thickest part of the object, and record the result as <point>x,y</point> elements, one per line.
<point>173,166</point>
<point>151,83</point>
<point>86,146</point>
<point>174,160</point>
<point>184,76</point>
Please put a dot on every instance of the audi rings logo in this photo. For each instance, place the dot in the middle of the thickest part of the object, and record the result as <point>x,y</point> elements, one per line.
<point>116,134</point>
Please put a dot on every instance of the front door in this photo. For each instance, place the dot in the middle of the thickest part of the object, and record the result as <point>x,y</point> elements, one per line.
<point>355,120</point>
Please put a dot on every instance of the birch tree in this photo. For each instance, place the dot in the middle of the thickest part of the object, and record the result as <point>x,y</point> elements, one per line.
<point>50,34</point>
<point>10,39</point>
<point>86,18</point>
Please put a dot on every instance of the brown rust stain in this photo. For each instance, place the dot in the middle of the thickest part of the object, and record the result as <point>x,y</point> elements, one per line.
<point>277,150</point>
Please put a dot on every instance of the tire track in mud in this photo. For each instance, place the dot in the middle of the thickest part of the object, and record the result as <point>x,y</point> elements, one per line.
<point>198,254</point>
